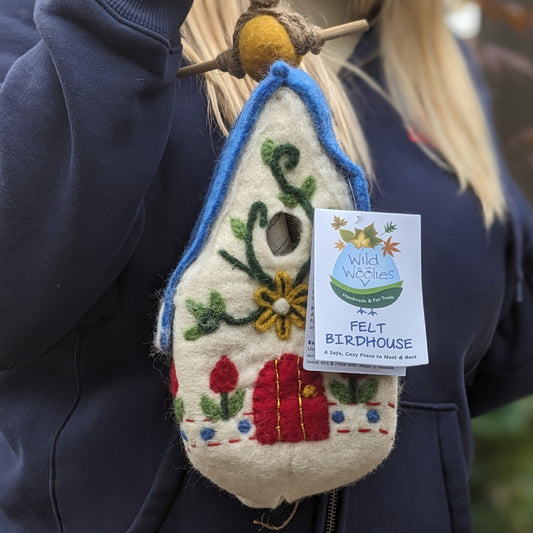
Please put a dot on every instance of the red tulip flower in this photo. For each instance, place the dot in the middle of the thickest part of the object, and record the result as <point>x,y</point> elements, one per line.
<point>223,380</point>
<point>224,376</point>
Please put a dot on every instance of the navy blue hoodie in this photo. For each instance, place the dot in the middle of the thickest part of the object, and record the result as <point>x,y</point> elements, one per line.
<point>104,161</point>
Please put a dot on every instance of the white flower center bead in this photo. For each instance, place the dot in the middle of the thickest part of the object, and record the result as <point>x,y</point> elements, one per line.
<point>281,306</point>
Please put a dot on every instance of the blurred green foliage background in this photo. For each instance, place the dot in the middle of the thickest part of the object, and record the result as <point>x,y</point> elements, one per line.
<point>501,484</point>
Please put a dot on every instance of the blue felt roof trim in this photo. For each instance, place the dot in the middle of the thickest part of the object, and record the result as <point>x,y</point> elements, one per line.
<point>281,75</point>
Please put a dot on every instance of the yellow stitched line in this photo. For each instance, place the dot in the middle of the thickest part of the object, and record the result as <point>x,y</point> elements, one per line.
<point>300,399</point>
<point>278,426</point>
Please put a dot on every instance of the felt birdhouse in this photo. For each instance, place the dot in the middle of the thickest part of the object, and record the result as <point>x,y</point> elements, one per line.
<point>252,419</point>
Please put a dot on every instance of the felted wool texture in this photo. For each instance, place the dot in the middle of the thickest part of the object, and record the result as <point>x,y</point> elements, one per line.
<point>284,118</point>
<point>264,476</point>
<point>227,450</point>
<point>262,40</point>
<point>303,85</point>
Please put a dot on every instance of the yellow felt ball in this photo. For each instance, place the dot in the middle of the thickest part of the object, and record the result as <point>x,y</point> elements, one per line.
<point>262,41</point>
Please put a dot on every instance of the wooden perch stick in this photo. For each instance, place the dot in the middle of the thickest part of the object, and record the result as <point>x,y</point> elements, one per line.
<point>199,68</point>
<point>326,34</point>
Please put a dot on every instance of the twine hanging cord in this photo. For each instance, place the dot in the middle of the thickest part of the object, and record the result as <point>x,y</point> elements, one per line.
<point>305,37</point>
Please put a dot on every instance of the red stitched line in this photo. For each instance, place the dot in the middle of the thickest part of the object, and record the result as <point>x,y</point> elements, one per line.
<point>362,430</point>
<point>344,431</point>
<point>333,403</point>
<point>248,414</point>
<point>206,420</point>
<point>189,420</point>
<point>373,403</point>
<point>392,405</point>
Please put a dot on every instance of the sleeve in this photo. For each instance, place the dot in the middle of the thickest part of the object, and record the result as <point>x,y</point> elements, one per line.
<point>506,372</point>
<point>85,114</point>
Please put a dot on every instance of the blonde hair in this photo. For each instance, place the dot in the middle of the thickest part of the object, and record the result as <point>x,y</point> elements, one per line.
<point>428,80</point>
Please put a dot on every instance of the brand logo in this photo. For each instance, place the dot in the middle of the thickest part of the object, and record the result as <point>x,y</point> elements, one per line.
<point>365,274</point>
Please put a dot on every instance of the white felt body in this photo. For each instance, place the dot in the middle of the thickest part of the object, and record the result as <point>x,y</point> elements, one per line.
<point>263,475</point>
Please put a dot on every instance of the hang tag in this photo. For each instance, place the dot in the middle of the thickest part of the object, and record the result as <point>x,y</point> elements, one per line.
<point>367,305</point>
<point>310,362</point>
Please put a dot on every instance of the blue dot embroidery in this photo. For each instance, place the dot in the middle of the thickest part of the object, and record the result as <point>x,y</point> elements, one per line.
<point>184,435</point>
<point>337,417</point>
<point>244,426</point>
<point>207,434</point>
<point>373,416</point>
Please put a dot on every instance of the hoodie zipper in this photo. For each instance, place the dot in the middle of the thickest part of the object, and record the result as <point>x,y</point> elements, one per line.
<point>331,511</point>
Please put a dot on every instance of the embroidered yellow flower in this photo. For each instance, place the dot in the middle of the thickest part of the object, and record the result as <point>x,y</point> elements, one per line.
<point>284,306</point>
<point>361,241</point>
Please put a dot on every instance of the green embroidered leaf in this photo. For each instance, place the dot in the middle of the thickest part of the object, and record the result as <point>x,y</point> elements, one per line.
<point>208,322</point>
<point>207,318</point>
<point>367,390</point>
<point>352,388</point>
<point>340,392</point>
<point>196,309</point>
<point>217,303</point>
<point>236,401</point>
<point>267,151</point>
<point>309,187</point>
<point>179,409</point>
<point>347,235</point>
<point>390,227</point>
<point>238,227</point>
<point>192,334</point>
<point>210,408</point>
<point>288,200</point>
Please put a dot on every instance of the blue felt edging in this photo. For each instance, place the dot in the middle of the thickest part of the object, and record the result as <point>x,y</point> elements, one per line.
<point>281,75</point>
